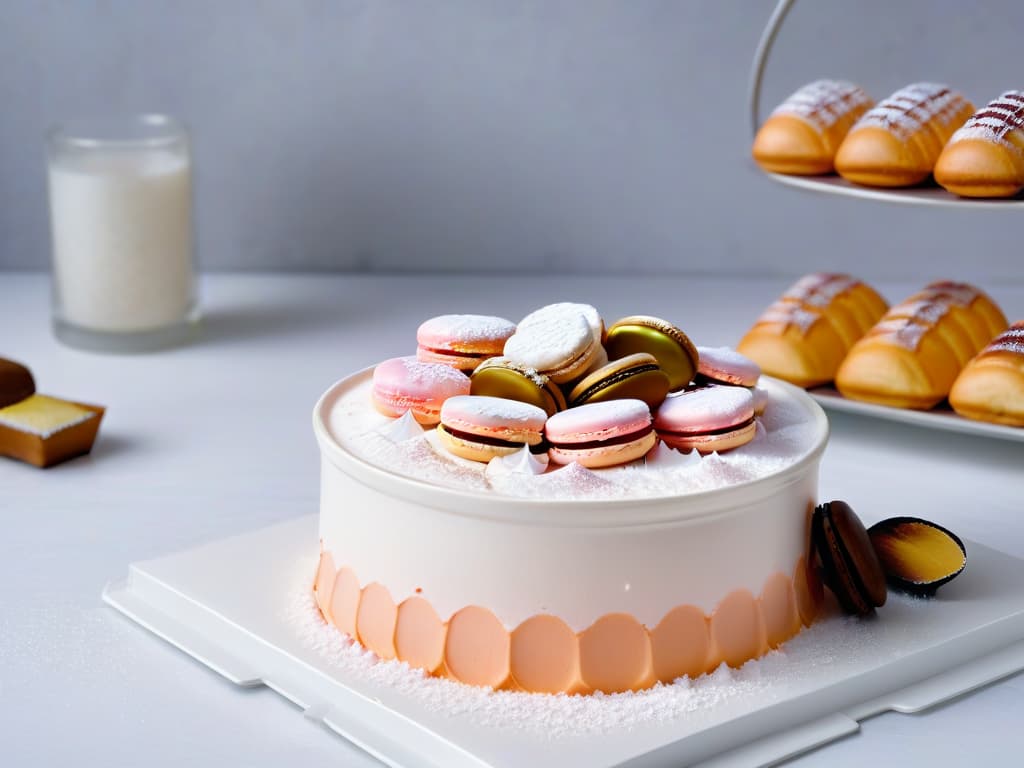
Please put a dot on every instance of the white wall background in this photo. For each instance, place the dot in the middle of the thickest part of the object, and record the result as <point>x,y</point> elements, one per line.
<point>561,135</point>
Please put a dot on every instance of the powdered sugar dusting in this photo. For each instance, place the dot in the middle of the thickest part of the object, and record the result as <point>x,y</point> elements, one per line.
<point>550,338</point>
<point>927,311</point>
<point>790,313</point>
<point>662,455</point>
<point>1010,340</point>
<point>786,437</point>
<point>906,324</point>
<point>485,411</point>
<point>909,109</point>
<point>995,121</point>
<point>522,462</point>
<point>823,102</point>
<point>425,374</point>
<point>501,361</point>
<point>820,289</point>
<point>590,313</point>
<point>904,332</point>
<point>959,293</point>
<point>450,331</point>
<point>598,421</point>
<point>573,481</point>
<point>405,427</point>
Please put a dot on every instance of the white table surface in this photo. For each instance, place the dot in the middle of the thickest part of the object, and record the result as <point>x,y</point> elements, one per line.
<point>214,439</point>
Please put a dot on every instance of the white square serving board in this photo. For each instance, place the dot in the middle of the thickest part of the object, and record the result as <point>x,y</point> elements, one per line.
<point>224,604</point>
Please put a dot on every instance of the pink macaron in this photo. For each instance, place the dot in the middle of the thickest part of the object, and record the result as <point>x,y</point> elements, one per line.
<point>724,365</point>
<point>601,434</point>
<point>462,341</point>
<point>479,427</point>
<point>709,419</point>
<point>405,384</point>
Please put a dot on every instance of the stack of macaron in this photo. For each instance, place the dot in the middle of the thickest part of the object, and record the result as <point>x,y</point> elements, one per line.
<point>562,383</point>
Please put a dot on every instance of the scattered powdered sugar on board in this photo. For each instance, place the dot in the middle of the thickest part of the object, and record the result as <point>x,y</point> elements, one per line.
<point>687,705</point>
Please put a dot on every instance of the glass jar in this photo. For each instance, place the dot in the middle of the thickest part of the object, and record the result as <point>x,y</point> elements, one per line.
<point>121,224</point>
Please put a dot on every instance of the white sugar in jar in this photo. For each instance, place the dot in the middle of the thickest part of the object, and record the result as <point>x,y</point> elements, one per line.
<point>121,226</point>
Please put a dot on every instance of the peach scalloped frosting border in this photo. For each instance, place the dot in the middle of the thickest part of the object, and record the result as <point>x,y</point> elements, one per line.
<point>543,655</point>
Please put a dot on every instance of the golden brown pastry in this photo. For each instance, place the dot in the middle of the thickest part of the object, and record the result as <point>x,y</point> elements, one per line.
<point>913,354</point>
<point>804,336</point>
<point>991,387</point>
<point>803,133</point>
<point>985,158</point>
<point>896,143</point>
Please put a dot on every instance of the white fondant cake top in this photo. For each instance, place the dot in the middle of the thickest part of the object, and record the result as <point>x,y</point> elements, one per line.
<point>788,434</point>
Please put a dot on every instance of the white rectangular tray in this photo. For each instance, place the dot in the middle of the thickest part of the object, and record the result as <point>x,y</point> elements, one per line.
<point>942,417</point>
<point>225,603</point>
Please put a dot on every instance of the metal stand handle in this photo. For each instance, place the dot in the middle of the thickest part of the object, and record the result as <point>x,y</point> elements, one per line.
<point>764,48</point>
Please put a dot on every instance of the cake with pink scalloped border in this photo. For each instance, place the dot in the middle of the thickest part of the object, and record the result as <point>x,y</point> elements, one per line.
<point>549,579</point>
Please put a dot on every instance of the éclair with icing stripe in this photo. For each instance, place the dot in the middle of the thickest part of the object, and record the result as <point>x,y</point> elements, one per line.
<point>804,335</point>
<point>985,157</point>
<point>898,141</point>
<point>912,356</point>
<point>803,133</point>
<point>991,386</point>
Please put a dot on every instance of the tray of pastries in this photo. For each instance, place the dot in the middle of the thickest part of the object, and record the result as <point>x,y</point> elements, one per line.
<point>924,143</point>
<point>944,357</point>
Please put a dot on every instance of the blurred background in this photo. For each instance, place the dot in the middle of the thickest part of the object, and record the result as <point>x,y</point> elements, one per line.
<point>491,136</point>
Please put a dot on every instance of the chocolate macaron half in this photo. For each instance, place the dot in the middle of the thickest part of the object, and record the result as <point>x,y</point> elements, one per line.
<point>850,567</point>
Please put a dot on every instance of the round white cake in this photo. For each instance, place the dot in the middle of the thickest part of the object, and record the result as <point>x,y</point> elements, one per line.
<point>565,579</point>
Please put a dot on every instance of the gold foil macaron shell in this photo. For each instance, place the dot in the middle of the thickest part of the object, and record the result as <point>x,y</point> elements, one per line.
<point>503,377</point>
<point>917,556</point>
<point>672,348</point>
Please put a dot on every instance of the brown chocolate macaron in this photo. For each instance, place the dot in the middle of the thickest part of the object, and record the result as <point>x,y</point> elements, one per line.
<point>850,567</point>
<point>16,383</point>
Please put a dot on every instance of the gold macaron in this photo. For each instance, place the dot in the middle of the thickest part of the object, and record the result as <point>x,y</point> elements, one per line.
<point>676,354</point>
<point>502,377</point>
<point>635,376</point>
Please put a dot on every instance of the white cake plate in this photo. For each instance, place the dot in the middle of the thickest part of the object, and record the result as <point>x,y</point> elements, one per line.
<point>225,604</point>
